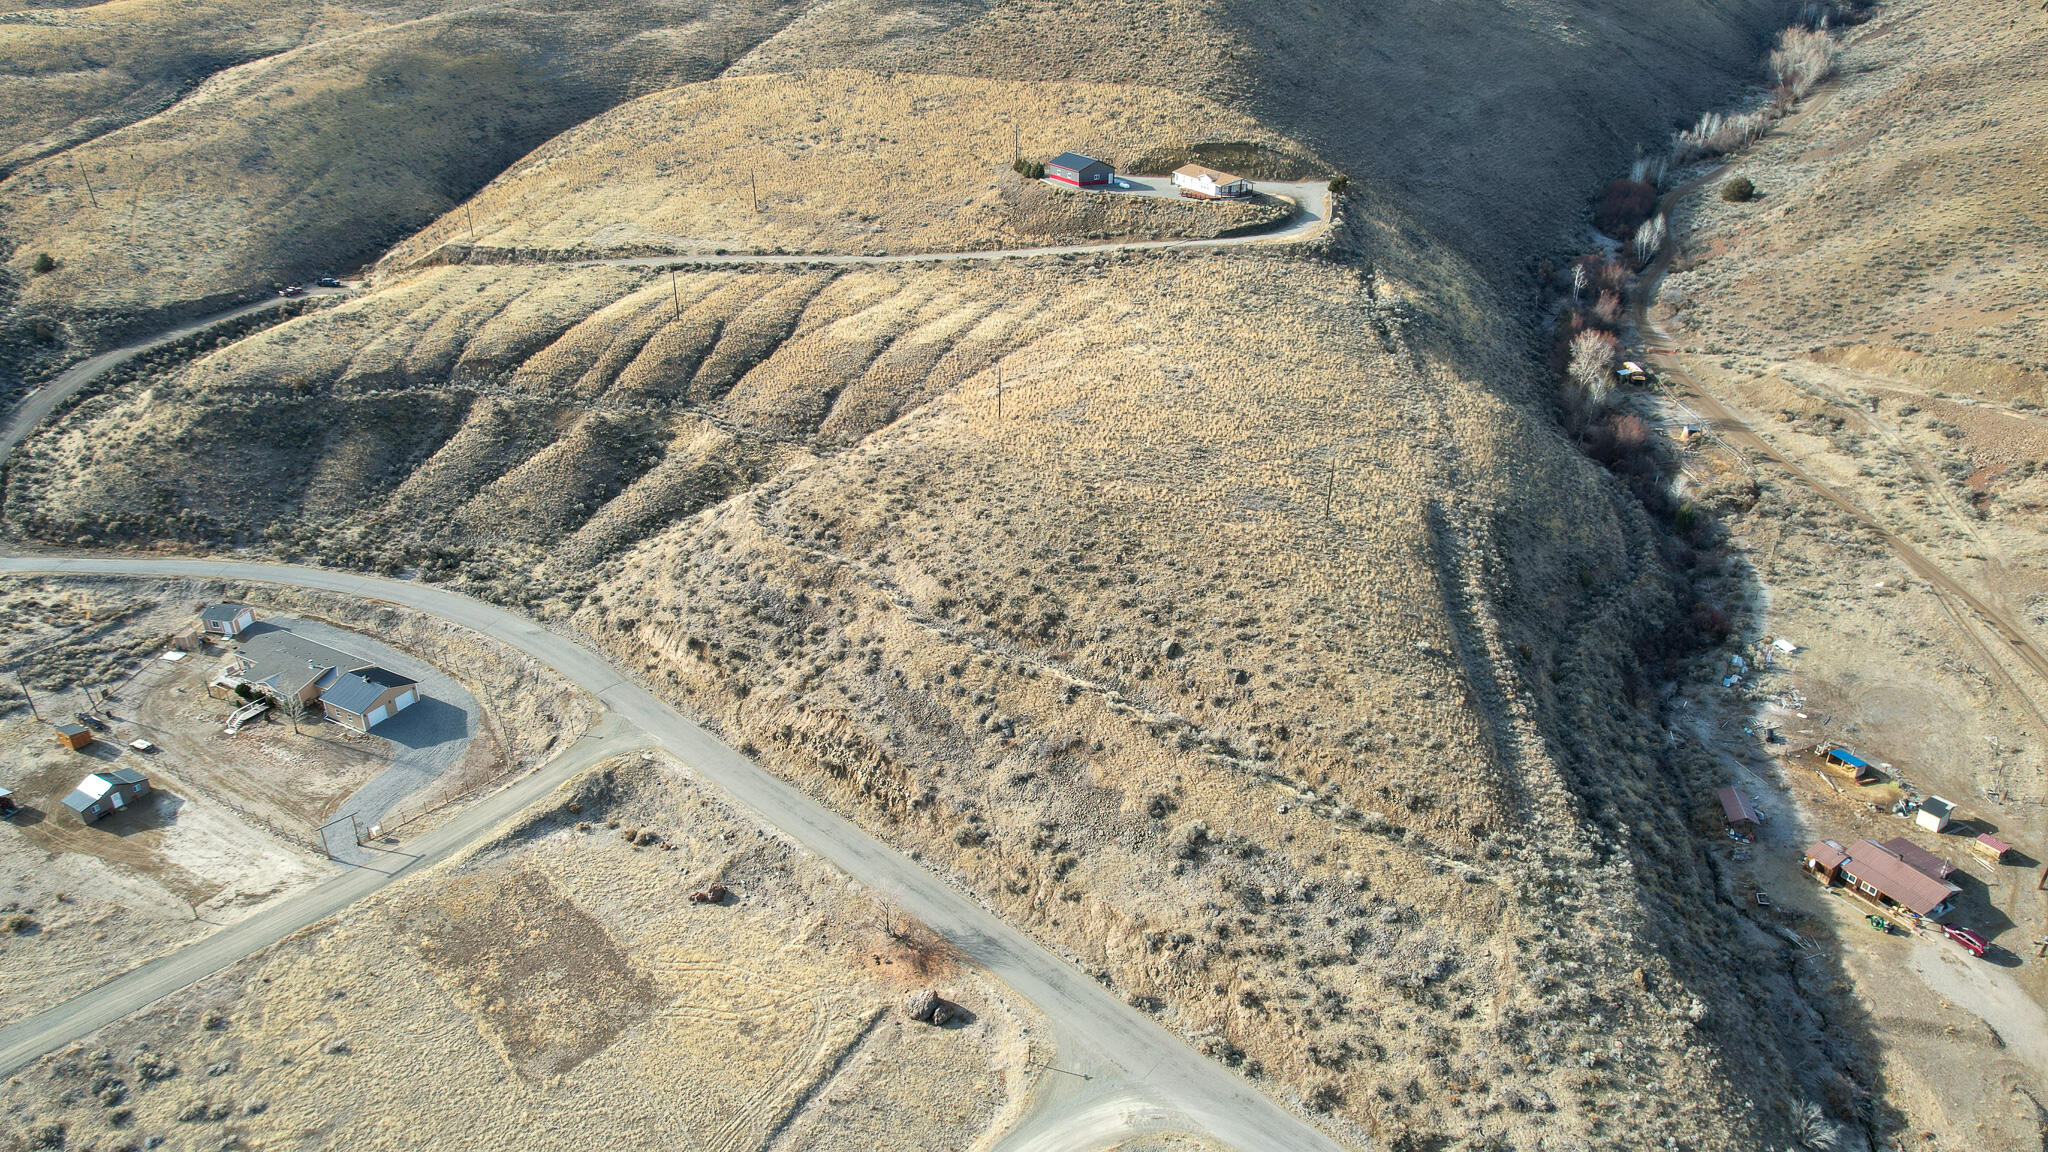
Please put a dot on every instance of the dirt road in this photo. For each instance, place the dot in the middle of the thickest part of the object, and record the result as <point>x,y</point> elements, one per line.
<point>40,403</point>
<point>1114,1052</point>
<point>1312,216</point>
<point>74,1019</point>
<point>1965,605</point>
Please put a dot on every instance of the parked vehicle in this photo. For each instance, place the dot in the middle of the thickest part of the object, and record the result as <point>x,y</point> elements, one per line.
<point>1631,372</point>
<point>1972,940</point>
<point>291,290</point>
<point>91,721</point>
<point>328,282</point>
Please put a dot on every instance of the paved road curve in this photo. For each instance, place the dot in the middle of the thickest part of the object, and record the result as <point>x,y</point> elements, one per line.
<point>1122,1072</point>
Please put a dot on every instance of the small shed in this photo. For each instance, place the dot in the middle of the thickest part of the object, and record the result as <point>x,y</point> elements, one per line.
<point>74,736</point>
<point>1209,184</point>
<point>1935,813</point>
<point>1857,767</point>
<point>226,620</point>
<point>1078,170</point>
<point>1826,858</point>
<point>103,793</point>
<point>1741,815</point>
<point>1991,848</point>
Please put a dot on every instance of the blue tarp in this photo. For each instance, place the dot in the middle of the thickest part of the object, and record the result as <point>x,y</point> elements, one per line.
<point>1844,756</point>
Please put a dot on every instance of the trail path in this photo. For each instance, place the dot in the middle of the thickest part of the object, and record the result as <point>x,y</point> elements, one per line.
<point>38,404</point>
<point>1962,603</point>
<point>1115,1061</point>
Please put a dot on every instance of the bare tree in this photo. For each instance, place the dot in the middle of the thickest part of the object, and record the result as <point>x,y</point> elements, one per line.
<point>293,707</point>
<point>1592,370</point>
<point>1804,57</point>
<point>1649,239</point>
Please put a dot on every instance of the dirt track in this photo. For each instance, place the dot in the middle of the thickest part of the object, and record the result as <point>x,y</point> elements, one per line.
<point>1963,604</point>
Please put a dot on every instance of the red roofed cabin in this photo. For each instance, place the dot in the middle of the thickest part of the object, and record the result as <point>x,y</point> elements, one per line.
<point>1078,170</point>
<point>1883,877</point>
<point>1739,812</point>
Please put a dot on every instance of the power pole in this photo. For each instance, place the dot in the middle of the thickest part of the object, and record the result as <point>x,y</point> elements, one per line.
<point>754,191</point>
<point>999,394</point>
<point>1016,143</point>
<point>1330,492</point>
<point>673,293</point>
<point>25,696</point>
<point>88,188</point>
<point>472,223</point>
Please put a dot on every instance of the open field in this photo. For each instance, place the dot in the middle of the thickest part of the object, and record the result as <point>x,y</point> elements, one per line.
<point>776,1013</point>
<point>1875,318</point>
<point>843,161</point>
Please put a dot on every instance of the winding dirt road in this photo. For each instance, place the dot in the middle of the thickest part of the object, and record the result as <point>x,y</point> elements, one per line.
<point>1120,1072</point>
<point>1963,605</point>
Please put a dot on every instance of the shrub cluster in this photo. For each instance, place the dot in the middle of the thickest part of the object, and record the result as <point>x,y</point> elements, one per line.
<point>1029,169</point>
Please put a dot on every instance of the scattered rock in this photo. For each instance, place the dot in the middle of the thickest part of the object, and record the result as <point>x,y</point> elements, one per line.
<point>919,1004</point>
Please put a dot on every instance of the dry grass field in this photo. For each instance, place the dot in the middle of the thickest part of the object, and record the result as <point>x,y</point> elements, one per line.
<point>556,985</point>
<point>844,161</point>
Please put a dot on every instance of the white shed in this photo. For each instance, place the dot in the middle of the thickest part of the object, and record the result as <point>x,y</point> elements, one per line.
<point>1935,814</point>
<point>1208,183</point>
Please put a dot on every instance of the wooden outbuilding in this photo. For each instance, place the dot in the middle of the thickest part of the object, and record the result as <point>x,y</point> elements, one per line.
<point>1991,848</point>
<point>1078,170</point>
<point>104,793</point>
<point>1740,814</point>
<point>74,736</point>
<point>1858,768</point>
<point>1935,814</point>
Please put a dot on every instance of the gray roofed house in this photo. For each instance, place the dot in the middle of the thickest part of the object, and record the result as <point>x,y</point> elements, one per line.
<point>367,697</point>
<point>286,664</point>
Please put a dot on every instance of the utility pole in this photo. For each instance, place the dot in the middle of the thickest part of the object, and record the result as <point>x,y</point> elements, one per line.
<point>1016,143</point>
<point>25,696</point>
<point>472,223</point>
<point>754,190</point>
<point>999,394</point>
<point>673,293</point>
<point>88,188</point>
<point>1330,492</point>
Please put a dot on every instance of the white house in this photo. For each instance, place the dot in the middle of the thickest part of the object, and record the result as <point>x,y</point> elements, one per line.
<point>1209,184</point>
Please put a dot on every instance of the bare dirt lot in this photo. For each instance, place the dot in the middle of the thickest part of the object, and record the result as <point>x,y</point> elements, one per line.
<point>556,986</point>
<point>234,821</point>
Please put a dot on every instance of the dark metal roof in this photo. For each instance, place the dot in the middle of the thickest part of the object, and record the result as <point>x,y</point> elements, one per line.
<point>289,662</point>
<point>71,729</point>
<point>1885,871</point>
<point>1072,161</point>
<point>124,776</point>
<point>1736,807</point>
<point>1918,857</point>
<point>222,613</point>
<point>357,691</point>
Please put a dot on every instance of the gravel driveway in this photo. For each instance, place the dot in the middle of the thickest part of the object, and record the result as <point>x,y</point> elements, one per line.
<point>423,741</point>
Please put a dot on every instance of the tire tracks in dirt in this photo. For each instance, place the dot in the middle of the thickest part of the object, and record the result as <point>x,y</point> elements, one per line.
<point>1962,605</point>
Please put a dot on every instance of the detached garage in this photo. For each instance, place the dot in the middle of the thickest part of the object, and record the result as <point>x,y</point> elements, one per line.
<point>1078,170</point>
<point>367,697</point>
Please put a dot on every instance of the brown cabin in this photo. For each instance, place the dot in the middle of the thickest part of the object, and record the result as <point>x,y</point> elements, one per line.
<point>74,736</point>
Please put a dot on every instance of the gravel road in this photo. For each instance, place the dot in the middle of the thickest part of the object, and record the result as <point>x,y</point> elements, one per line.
<point>1117,1058</point>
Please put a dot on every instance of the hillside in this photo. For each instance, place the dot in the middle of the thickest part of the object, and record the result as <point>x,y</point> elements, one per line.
<point>841,161</point>
<point>308,159</point>
<point>1239,622</point>
<point>1872,332</point>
